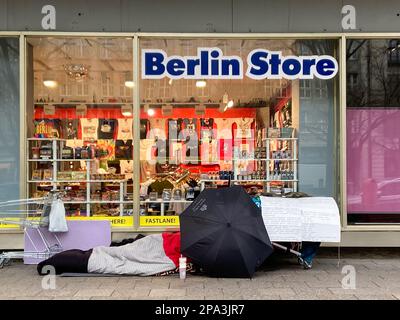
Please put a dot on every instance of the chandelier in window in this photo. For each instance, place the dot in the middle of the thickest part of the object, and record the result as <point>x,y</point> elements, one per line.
<point>76,71</point>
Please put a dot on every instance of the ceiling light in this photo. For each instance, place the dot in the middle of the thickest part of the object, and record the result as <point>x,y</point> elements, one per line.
<point>201,83</point>
<point>129,84</point>
<point>50,83</point>
<point>76,71</point>
<point>151,112</point>
<point>129,80</point>
<point>49,79</point>
<point>230,104</point>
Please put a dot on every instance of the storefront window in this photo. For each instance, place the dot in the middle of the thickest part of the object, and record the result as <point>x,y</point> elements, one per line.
<point>373,145</point>
<point>9,119</point>
<point>269,135</point>
<point>80,134</point>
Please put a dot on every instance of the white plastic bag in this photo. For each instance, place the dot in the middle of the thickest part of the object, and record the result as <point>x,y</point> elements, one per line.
<point>57,222</point>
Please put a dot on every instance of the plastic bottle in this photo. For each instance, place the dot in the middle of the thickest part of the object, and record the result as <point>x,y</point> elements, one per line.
<point>182,268</point>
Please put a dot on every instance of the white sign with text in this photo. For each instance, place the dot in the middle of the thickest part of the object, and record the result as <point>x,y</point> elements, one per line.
<point>313,219</point>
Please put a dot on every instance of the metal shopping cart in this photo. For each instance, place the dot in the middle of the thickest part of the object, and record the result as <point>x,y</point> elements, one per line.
<point>33,214</point>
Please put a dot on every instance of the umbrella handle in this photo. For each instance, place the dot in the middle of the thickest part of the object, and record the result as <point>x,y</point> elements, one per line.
<point>286,249</point>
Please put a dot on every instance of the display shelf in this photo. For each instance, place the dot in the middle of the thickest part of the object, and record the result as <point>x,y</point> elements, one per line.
<point>54,183</point>
<point>267,139</point>
<point>264,159</point>
<point>162,204</point>
<point>90,104</point>
<point>97,202</point>
<point>292,161</point>
<point>165,201</point>
<point>248,180</point>
<point>77,181</point>
<point>58,160</point>
<point>46,139</point>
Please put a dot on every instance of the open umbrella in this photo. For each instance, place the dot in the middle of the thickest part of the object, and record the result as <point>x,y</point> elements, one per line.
<point>223,232</point>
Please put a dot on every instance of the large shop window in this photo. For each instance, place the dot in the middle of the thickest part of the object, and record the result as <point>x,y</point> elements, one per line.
<point>271,135</point>
<point>80,132</point>
<point>9,119</point>
<point>373,131</point>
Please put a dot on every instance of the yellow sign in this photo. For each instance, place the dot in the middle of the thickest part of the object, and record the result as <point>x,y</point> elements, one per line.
<point>116,222</point>
<point>9,226</point>
<point>159,221</point>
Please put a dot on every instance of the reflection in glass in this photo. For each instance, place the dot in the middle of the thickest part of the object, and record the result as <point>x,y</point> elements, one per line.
<point>9,119</point>
<point>373,143</point>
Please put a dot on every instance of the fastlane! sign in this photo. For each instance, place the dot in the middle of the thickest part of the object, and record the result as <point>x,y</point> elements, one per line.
<point>210,63</point>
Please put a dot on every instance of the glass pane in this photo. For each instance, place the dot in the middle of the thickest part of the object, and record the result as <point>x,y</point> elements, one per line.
<point>9,119</point>
<point>80,137</point>
<point>271,135</point>
<point>373,134</point>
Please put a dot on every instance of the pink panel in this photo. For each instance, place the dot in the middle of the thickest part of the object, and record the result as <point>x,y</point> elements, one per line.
<point>373,160</point>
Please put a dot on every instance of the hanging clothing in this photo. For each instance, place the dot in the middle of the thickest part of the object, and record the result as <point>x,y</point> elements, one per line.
<point>123,150</point>
<point>147,169</point>
<point>144,124</point>
<point>157,129</point>
<point>243,129</point>
<point>209,152</point>
<point>69,128</point>
<point>47,128</point>
<point>207,132</point>
<point>190,141</point>
<point>146,147</point>
<point>225,138</point>
<point>125,129</point>
<point>89,129</point>
<point>106,129</point>
<point>147,163</point>
<point>224,128</point>
<point>127,168</point>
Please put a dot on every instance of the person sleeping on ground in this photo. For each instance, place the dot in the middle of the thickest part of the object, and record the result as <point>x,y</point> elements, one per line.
<point>155,254</point>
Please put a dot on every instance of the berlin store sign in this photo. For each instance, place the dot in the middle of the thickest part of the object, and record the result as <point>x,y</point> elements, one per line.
<point>210,63</point>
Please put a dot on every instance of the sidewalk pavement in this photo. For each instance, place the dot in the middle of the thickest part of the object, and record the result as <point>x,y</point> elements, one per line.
<point>377,277</point>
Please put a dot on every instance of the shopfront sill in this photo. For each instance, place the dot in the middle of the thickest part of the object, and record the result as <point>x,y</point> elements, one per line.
<point>371,228</point>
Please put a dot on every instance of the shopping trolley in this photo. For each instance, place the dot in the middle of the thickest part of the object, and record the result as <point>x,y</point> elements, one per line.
<point>32,214</point>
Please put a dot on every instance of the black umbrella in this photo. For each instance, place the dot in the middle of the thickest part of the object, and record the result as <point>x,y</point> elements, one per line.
<point>223,232</point>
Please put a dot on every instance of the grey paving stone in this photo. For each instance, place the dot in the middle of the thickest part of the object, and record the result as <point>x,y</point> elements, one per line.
<point>15,293</point>
<point>94,293</point>
<point>148,284</point>
<point>324,283</point>
<point>186,285</point>
<point>131,293</point>
<point>167,293</point>
<point>375,297</point>
<point>256,284</point>
<point>57,293</point>
<point>108,298</point>
<point>34,298</point>
<point>199,298</point>
<point>276,291</point>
